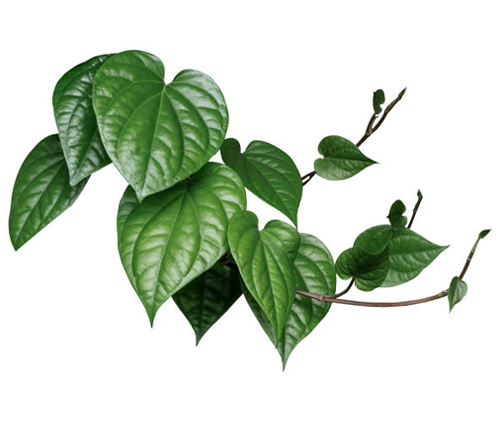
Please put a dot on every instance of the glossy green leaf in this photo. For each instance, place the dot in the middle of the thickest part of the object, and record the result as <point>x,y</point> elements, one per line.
<point>265,267</point>
<point>268,172</point>
<point>378,100</point>
<point>286,234</point>
<point>315,273</point>
<point>174,236</point>
<point>396,212</point>
<point>409,254</point>
<point>208,297</point>
<point>76,120</point>
<point>41,191</point>
<point>342,159</point>
<point>157,134</point>
<point>456,292</point>
<point>374,240</point>
<point>370,271</point>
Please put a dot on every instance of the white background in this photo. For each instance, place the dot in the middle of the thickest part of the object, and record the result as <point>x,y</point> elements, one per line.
<point>77,353</point>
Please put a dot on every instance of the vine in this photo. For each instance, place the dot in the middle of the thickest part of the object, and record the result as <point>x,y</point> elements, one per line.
<point>184,231</point>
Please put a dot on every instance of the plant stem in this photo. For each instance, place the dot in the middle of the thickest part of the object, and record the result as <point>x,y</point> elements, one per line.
<point>335,298</point>
<point>415,209</point>
<point>370,129</point>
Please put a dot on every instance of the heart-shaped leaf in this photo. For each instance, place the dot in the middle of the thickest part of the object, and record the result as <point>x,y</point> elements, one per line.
<point>315,273</point>
<point>268,172</point>
<point>287,235</point>
<point>265,267</point>
<point>208,297</point>
<point>342,159</point>
<point>41,191</point>
<point>409,254</point>
<point>456,292</point>
<point>76,121</point>
<point>174,236</point>
<point>374,240</point>
<point>157,134</point>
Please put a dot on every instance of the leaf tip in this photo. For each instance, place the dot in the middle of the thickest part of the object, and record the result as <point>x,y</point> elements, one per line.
<point>484,233</point>
<point>420,195</point>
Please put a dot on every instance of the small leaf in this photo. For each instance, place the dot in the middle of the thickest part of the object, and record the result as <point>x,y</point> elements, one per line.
<point>378,100</point>
<point>456,292</point>
<point>395,216</point>
<point>484,233</point>
<point>208,297</point>
<point>315,273</point>
<point>374,240</point>
<point>157,134</point>
<point>401,94</point>
<point>174,236</point>
<point>41,192</point>
<point>409,254</point>
<point>342,159</point>
<point>265,267</point>
<point>76,120</point>
<point>370,271</point>
<point>268,172</point>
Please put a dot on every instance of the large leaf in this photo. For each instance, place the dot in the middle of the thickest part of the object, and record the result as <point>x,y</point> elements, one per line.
<point>315,273</point>
<point>265,267</point>
<point>268,172</point>
<point>157,134</point>
<point>76,121</point>
<point>208,297</point>
<point>456,292</point>
<point>172,237</point>
<point>374,240</point>
<point>342,159</point>
<point>409,254</point>
<point>41,191</point>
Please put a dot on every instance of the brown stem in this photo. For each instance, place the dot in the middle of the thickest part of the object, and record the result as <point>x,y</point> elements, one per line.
<point>308,177</point>
<point>415,209</point>
<point>332,299</point>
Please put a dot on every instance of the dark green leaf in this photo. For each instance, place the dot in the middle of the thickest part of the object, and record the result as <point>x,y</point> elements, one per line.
<point>268,172</point>
<point>157,134</point>
<point>396,214</point>
<point>174,236</point>
<point>456,292</point>
<point>484,233</point>
<point>409,254</point>
<point>342,159</point>
<point>378,100</point>
<point>76,121</point>
<point>286,234</point>
<point>41,191</point>
<point>314,273</point>
<point>374,240</point>
<point>370,271</point>
<point>208,297</point>
<point>265,267</point>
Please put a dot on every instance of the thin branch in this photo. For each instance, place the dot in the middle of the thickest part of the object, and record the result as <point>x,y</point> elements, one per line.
<point>415,209</point>
<point>308,177</point>
<point>340,294</point>
<point>332,299</point>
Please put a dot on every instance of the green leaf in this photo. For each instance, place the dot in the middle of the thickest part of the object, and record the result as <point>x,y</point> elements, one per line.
<point>174,236</point>
<point>378,100</point>
<point>41,191</point>
<point>409,254</point>
<point>315,273</point>
<point>287,235</point>
<point>268,172</point>
<point>157,134</point>
<point>342,159</point>
<point>374,240</point>
<point>370,271</point>
<point>208,297</point>
<point>456,292</point>
<point>484,233</point>
<point>265,267</point>
<point>76,121</point>
<point>396,212</point>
